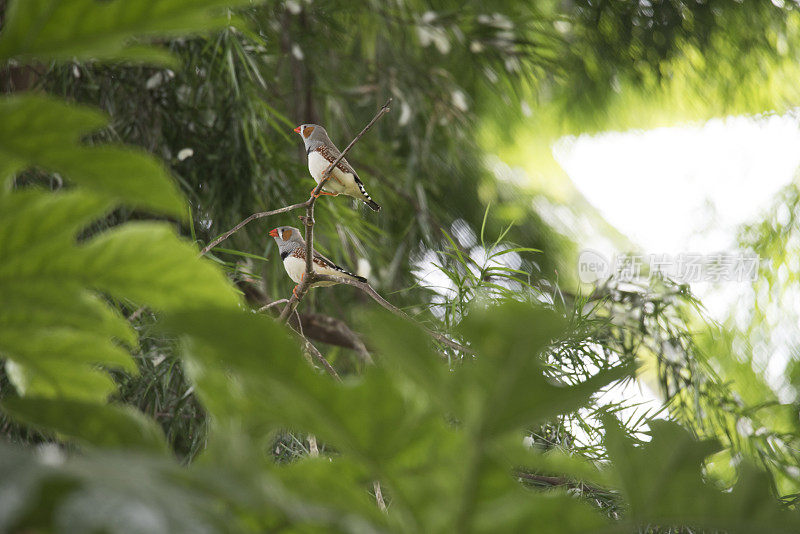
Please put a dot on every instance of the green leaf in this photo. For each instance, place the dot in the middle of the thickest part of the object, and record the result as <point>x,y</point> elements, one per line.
<point>148,263</point>
<point>555,461</point>
<point>248,370</point>
<point>502,389</point>
<point>663,485</point>
<point>44,30</point>
<point>414,359</point>
<point>87,422</point>
<point>130,492</point>
<point>503,505</point>
<point>339,485</point>
<point>36,227</point>
<point>41,131</point>
<point>505,387</point>
<point>39,346</point>
<point>49,491</point>
<point>48,303</point>
<point>54,327</point>
<point>60,377</point>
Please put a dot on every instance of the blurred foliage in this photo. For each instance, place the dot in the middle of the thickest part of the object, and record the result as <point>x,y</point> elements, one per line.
<point>192,413</point>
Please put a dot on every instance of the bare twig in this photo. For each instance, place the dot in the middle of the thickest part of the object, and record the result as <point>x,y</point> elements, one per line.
<point>135,315</point>
<point>313,448</point>
<point>299,324</point>
<point>311,352</point>
<point>556,481</point>
<point>251,218</point>
<point>308,220</point>
<point>317,356</point>
<point>271,304</point>
<point>379,496</point>
<point>320,359</point>
<point>366,288</point>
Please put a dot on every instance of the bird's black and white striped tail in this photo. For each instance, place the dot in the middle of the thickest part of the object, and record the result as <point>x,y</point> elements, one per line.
<point>359,278</point>
<point>367,199</point>
<point>325,261</point>
<point>348,273</point>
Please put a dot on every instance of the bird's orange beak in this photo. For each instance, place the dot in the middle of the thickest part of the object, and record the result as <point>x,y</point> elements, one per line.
<point>273,232</point>
<point>297,130</point>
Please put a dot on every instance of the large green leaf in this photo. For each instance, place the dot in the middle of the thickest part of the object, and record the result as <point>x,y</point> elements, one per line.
<point>37,227</point>
<point>414,361</point>
<point>126,492</point>
<point>40,131</point>
<point>662,483</point>
<point>148,263</point>
<point>55,329</point>
<point>250,375</point>
<point>248,369</point>
<point>60,377</point>
<point>506,388</point>
<point>51,492</point>
<point>457,479</point>
<point>43,30</point>
<point>63,303</point>
<point>41,346</point>
<point>342,485</point>
<point>88,422</point>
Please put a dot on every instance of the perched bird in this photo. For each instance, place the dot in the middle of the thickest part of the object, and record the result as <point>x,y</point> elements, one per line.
<point>321,153</point>
<point>292,247</point>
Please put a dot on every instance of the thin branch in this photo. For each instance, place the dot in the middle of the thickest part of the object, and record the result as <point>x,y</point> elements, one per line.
<point>317,356</point>
<point>271,304</point>
<point>299,324</point>
<point>251,218</point>
<point>308,220</point>
<point>366,288</point>
<point>320,359</point>
<point>556,481</point>
<point>313,448</point>
<point>376,486</point>
<point>311,351</point>
<point>135,315</point>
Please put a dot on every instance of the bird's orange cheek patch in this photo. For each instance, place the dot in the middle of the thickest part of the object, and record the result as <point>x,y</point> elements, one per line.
<point>308,131</point>
<point>286,235</point>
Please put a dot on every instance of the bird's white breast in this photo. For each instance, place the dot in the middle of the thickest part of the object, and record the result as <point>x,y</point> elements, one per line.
<point>317,165</point>
<point>295,267</point>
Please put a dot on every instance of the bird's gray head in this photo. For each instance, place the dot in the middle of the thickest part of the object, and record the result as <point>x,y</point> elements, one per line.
<point>287,237</point>
<point>312,134</point>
